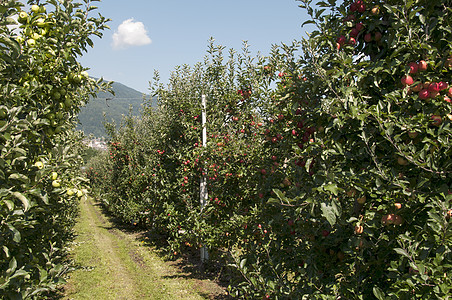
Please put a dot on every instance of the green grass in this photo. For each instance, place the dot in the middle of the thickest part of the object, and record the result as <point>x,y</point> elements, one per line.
<point>114,265</point>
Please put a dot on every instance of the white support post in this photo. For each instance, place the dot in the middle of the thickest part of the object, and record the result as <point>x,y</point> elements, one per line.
<point>203,194</point>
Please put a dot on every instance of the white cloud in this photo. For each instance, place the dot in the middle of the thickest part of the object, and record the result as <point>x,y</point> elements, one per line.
<point>130,34</point>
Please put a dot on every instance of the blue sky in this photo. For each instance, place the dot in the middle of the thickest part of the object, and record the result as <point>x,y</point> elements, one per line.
<point>146,35</point>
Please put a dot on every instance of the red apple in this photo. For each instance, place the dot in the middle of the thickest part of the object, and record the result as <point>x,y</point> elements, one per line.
<point>424,94</point>
<point>436,120</point>
<point>422,65</point>
<point>447,99</point>
<point>442,85</point>
<point>407,80</point>
<point>417,87</point>
<point>449,93</point>
<point>368,37</point>
<point>361,7</point>
<point>433,87</point>
<point>378,36</point>
<point>413,67</point>
<point>341,40</point>
<point>359,26</point>
<point>354,33</point>
<point>352,41</point>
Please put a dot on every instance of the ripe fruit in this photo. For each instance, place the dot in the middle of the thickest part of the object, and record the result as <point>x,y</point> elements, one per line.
<point>413,67</point>
<point>359,229</point>
<point>70,192</point>
<point>402,161</point>
<point>436,120</point>
<point>433,87</point>
<point>407,80</point>
<point>23,17</point>
<point>391,219</point>
<point>422,65</point>
<point>375,10</point>
<point>56,183</point>
<point>352,41</point>
<point>35,8</point>
<point>424,94</point>
<point>354,33</point>
<point>417,87</point>
<point>54,175</point>
<point>359,26</point>
<point>449,93</point>
<point>378,36</point>
<point>40,22</point>
<point>39,165</point>
<point>341,40</point>
<point>398,205</point>
<point>368,37</point>
<point>442,85</point>
<point>31,42</point>
<point>361,200</point>
<point>3,113</point>
<point>449,214</point>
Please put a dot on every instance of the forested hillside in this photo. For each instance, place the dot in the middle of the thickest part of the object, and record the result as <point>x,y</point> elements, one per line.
<point>91,116</point>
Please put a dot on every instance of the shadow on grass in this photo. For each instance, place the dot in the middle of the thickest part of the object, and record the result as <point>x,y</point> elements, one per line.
<point>187,263</point>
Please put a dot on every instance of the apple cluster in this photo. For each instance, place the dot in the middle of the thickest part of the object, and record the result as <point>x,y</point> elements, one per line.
<point>356,28</point>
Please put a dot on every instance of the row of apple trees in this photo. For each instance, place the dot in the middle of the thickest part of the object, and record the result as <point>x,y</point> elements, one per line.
<point>328,162</point>
<point>42,87</point>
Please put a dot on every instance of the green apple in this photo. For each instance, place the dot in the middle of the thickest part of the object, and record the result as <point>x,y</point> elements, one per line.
<point>42,9</point>
<point>68,102</point>
<point>31,42</point>
<point>56,183</point>
<point>56,95</point>
<point>70,192</point>
<point>79,193</point>
<point>3,113</point>
<point>54,175</point>
<point>23,17</point>
<point>35,8</point>
<point>39,165</point>
<point>59,129</point>
<point>40,22</point>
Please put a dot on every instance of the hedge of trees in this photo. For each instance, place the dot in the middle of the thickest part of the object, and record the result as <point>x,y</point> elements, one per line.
<point>328,161</point>
<point>41,89</point>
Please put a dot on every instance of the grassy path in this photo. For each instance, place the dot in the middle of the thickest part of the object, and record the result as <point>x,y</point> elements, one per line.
<point>115,265</point>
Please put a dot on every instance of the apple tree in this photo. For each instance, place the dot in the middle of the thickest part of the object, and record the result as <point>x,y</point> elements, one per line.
<point>371,218</point>
<point>42,87</point>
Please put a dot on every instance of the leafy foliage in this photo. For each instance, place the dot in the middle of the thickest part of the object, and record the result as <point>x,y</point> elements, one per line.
<point>42,87</point>
<point>329,172</point>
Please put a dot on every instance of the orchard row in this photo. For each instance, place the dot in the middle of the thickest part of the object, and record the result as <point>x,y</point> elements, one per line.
<point>328,173</point>
<point>42,87</point>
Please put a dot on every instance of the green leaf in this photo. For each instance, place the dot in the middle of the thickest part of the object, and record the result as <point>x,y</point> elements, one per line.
<point>378,293</point>
<point>332,188</point>
<point>16,233</point>
<point>328,213</point>
<point>402,252</point>
<point>243,263</point>
<point>23,199</point>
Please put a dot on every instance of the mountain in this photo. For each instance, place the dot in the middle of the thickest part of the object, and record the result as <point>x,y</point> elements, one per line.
<point>91,116</point>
